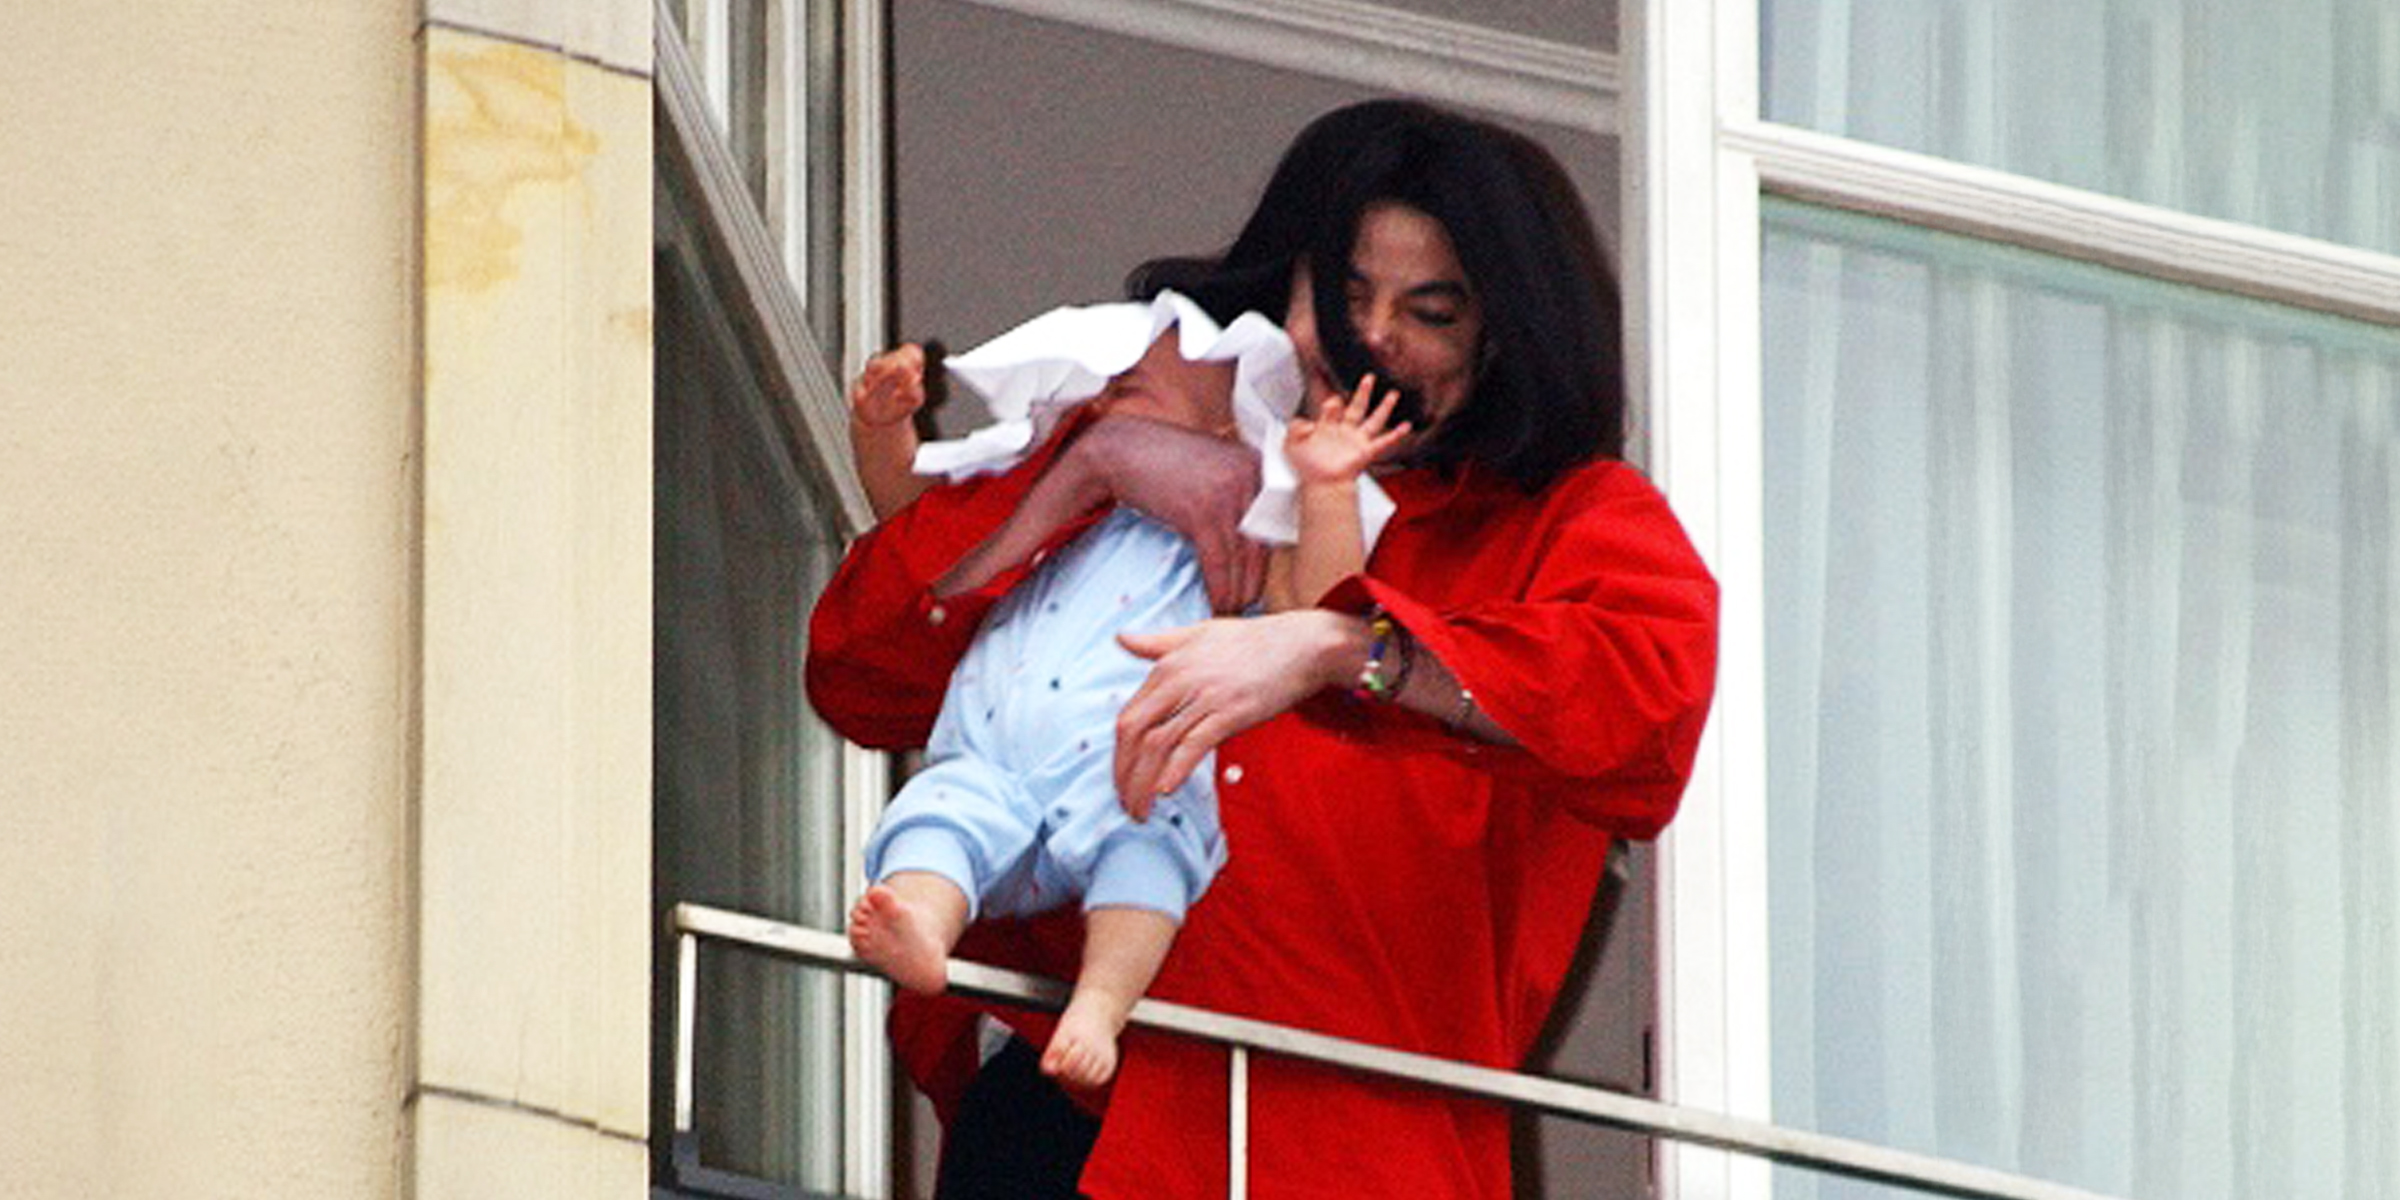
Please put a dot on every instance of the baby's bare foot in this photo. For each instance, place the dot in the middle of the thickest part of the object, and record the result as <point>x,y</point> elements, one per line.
<point>1083,1052</point>
<point>898,939</point>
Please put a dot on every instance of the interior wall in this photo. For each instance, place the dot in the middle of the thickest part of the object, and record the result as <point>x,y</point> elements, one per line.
<point>1035,163</point>
<point>1587,23</point>
<point>206,531</point>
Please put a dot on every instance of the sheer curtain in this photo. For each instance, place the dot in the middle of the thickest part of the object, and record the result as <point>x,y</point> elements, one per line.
<point>2084,720</point>
<point>746,781</point>
<point>2283,114</point>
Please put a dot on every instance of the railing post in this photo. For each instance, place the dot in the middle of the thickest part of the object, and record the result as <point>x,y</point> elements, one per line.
<point>1237,1106</point>
<point>687,997</point>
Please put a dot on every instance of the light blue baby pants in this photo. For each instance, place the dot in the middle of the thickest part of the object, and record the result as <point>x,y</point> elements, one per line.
<point>1018,804</point>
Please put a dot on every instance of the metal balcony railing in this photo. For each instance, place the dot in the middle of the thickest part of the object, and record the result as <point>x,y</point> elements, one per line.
<point>1839,1156</point>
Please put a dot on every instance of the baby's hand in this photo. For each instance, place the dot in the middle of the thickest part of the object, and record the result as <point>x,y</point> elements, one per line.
<point>1344,438</point>
<point>890,388</point>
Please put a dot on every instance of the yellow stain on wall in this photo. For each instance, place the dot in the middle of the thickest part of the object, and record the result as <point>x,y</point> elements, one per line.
<point>634,323</point>
<point>497,125</point>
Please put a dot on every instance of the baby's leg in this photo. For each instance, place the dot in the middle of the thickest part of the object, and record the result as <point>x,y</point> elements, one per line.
<point>906,925</point>
<point>1122,951</point>
<point>932,855</point>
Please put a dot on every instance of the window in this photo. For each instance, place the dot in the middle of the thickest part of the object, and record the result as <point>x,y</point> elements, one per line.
<point>2082,647</point>
<point>2276,116</point>
<point>2049,818</point>
<point>758,805</point>
<point>746,781</point>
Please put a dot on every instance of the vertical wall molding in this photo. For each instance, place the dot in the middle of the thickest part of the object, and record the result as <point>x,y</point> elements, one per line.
<point>533,823</point>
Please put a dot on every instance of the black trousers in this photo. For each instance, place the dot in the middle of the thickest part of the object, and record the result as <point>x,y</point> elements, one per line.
<point>1016,1136</point>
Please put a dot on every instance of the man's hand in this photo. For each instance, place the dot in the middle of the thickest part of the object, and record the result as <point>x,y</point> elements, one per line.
<point>1216,679</point>
<point>1198,485</point>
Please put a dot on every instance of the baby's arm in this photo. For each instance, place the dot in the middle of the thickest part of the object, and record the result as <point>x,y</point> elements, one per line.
<point>883,429</point>
<point>1329,454</point>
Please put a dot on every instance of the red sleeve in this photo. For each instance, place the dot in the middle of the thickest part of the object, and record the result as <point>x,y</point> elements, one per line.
<point>880,644</point>
<point>1601,667</point>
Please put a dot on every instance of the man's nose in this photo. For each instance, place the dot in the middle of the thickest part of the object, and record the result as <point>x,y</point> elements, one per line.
<point>1375,328</point>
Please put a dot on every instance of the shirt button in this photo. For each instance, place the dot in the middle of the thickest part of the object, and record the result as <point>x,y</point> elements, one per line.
<point>936,615</point>
<point>1233,773</point>
<point>1039,555</point>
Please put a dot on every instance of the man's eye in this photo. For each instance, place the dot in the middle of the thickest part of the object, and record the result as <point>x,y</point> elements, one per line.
<point>1439,318</point>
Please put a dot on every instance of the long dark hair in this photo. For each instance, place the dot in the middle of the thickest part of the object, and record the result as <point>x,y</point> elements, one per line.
<point>1551,390</point>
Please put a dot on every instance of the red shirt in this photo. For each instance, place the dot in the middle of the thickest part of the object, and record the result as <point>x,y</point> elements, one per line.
<point>1390,881</point>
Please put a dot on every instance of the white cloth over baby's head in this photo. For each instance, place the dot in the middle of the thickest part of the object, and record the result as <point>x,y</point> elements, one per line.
<point>1032,375</point>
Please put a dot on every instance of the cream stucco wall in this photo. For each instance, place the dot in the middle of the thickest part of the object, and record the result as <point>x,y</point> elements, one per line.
<point>324,596</point>
<point>206,530</point>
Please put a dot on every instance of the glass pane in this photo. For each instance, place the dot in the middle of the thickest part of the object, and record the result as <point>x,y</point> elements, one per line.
<point>2083,601</point>
<point>805,181</point>
<point>776,65</point>
<point>746,780</point>
<point>2285,115</point>
<point>751,76</point>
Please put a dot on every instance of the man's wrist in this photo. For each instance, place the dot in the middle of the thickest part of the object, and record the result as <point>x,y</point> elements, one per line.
<point>1341,648</point>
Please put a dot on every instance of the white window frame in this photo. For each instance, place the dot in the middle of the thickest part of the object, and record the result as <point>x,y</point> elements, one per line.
<point>1697,158</point>
<point>866,199</point>
<point>695,71</point>
<point>1691,264</point>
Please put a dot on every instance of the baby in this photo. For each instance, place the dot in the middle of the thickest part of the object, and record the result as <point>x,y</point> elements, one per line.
<point>1016,810</point>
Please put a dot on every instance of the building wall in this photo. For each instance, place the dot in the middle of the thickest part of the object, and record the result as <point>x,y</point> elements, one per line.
<point>206,544</point>
<point>324,510</point>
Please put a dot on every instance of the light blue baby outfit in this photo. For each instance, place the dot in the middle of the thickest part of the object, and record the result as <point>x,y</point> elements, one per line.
<point>1018,803</point>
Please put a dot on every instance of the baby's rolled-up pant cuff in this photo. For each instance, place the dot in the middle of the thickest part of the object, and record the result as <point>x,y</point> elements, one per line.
<point>932,849</point>
<point>1140,872</point>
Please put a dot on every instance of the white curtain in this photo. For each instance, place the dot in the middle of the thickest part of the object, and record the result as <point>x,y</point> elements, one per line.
<point>746,780</point>
<point>2084,703</point>
<point>2283,114</point>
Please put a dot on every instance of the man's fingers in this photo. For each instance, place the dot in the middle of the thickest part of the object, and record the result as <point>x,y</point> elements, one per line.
<point>1254,573</point>
<point>1133,721</point>
<point>1184,756</point>
<point>1153,646</point>
<point>1231,567</point>
<point>1138,804</point>
<point>1221,575</point>
<point>1165,755</point>
<point>1143,741</point>
<point>1250,559</point>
